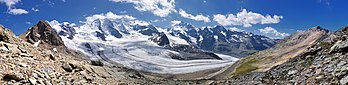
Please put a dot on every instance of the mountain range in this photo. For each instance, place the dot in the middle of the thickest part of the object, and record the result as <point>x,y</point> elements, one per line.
<point>216,39</point>
<point>128,51</point>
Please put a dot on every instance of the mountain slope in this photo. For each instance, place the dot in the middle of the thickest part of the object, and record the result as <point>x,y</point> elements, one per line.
<point>290,47</point>
<point>323,63</point>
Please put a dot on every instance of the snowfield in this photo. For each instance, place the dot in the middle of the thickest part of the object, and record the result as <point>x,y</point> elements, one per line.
<point>121,39</point>
<point>141,54</point>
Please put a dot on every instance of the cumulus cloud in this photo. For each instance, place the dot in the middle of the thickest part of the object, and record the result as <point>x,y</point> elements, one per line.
<point>108,15</point>
<point>235,29</point>
<point>35,10</point>
<point>11,9</point>
<point>273,33</point>
<point>10,3</point>
<point>199,17</point>
<point>17,11</point>
<point>160,8</point>
<point>246,19</point>
<point>112,16</point>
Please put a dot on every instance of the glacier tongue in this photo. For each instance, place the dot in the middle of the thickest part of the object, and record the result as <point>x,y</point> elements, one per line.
<point>144,55</point>
<point>119,39</point>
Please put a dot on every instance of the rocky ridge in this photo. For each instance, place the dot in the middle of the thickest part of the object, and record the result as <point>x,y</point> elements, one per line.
<point>323,63</point>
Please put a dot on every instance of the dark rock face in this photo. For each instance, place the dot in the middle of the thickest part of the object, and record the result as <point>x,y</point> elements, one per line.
<point>107,28</point>
<point>68,31</point>
<point>161,39</point>
<point>147,30</point>
<point>42,32</point>
<point>101,35</point>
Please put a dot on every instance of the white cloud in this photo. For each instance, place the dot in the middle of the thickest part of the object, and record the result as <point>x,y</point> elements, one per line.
<point>158,20</point>
<point>235,29</point>
<point>160,8</point>
<point>123,12</point>
<point>10,3</point>
<point>246,19</point>
<point>63,0</point>
<point>11,9</point>
<point>199,17</point>
<point>34,9</point>
<point>273,33</point>
<point>327,2</point>
<point>17,11</point>
<point>108,15</point>
<point>112,16</point>
<point>28,23</point>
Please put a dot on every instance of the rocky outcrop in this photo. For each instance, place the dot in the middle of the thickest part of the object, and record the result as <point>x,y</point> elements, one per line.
<point>161,39</point>
<point>42,33</point>
<point>6,35</point>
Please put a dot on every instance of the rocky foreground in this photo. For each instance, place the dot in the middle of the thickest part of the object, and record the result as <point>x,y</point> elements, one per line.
<point>325,63</point>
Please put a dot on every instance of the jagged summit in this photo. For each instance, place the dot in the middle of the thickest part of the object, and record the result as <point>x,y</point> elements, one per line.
<point>318,28</point>
<point>43,33</point>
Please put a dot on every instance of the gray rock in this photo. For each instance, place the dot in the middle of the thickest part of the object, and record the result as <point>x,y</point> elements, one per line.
<point>292,72</point>
<point>97,63</point>
<point>32,81</point>
<point>13,76</point>
<point>67,67</point>
<point>341,63</point>
<point>344,80</point>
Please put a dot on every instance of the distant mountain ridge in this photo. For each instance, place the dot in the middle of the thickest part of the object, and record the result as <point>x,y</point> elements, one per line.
<point>222,40</point>
<point>216,39</point>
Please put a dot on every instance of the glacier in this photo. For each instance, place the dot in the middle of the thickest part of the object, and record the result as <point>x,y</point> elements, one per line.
<point>124,40</point>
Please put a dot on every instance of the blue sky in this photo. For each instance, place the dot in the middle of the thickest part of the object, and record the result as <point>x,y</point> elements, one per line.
<point>273,18</point>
